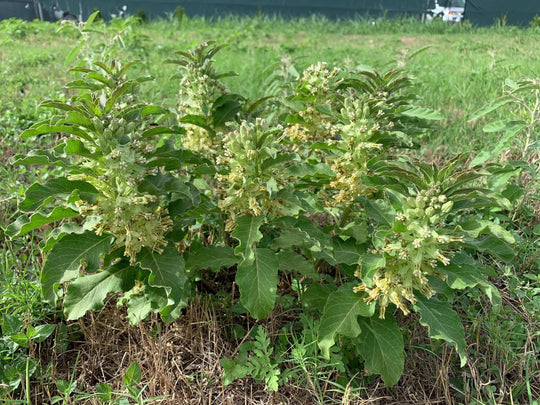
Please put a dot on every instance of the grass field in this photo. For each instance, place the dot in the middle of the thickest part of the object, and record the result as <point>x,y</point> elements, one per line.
<point>454,69</point>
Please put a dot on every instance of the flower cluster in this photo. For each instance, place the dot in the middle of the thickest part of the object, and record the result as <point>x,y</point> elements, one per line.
<point>357,130</point>
<point>319,81</point>
<point>135,219</point>
<point>419,243</point>
<point>200,87</point>
<point>251,185</point>
<point>315,87</point>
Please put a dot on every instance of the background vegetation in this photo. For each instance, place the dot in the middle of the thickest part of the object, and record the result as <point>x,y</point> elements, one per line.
<point>456,69</point>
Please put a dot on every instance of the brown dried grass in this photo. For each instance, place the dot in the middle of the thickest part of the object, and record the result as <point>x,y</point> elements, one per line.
<point>180,364</point>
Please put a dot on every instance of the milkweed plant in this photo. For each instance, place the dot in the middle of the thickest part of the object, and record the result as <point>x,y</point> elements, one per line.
<point>317,186</point>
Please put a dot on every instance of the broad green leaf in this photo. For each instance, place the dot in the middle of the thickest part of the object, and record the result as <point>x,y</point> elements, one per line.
<point>42,332</point>
<point>475,227</point>
<point>442,323</point>
<point>304,170</point>
<point>381,347</point>
<point>87,293</point>
<point>248,234</point>
<point>147,299</point>
<point>347,251</point>
<point>257,281</point>
<point>316,296</point>
<point>340,316</point>
<point>369,264</point>
<point>294,262</point>
<point>10,324</point>
<point>197,120</point>
<point>225,108</point>
<point>381,211</point>
<point>24,224</point>
<point>491,107</point>
<point>49,129</point>
<point>211,258</point>
<point>233,370</point>
<point>494,246</point>
<point>462,275</point>
<point>358,230</point>
<point>133,375</point>
<point>167,269</point>
<point>37,193</point>
<point>39,157</point>
<point>66,257</point>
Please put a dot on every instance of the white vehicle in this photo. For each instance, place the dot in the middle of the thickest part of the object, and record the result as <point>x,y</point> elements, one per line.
<point>447,10</point>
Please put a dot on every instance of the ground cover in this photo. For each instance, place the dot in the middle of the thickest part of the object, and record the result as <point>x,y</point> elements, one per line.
<point>455,70</point>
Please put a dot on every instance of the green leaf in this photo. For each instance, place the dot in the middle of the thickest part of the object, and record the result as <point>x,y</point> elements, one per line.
<point>225,108</point>
<point>24,224</point>
<point>197,120</point>
<point>293,262</point>
<point>167,271</point>
<point>257,281</point>
<point>66,257</point>
<point>347,251</point>
<point>211,258</point>
<point>133,375</point>
<point>341,316</point>
<point>37,193</point>
<point>87,293</point>
<point>463,275</point>
<point>43,129</point>
<point>10,325</point>
<point>442,323</point>
<point>475,227</point>
<point>39,157</point>
<point>233,370</point>
<point>381,211</point>
<point>381,347</point>
<point>494,246</point>
<point>491,107</point>
<point>369,264</point>
<point>248,234</point>
<point>42,332</point>
<point>357,229</point>
<point>316,296</point>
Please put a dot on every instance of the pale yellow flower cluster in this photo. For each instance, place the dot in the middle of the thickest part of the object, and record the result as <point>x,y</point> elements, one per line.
<point>249,188</point>
<point>419,244</point>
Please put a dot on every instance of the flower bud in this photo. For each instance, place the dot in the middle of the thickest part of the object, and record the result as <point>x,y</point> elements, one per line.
<point>447,206</point>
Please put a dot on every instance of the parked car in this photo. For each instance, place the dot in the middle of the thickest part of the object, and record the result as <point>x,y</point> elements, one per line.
<point>447,10</point>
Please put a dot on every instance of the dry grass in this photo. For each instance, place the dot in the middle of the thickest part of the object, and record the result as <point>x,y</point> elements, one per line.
<point>180,364</point>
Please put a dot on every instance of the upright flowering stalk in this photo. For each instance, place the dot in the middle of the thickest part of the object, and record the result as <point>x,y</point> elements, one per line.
<point>317,90</point>
<point>360,130</point>
<point>200,89</point>
<point>425,234</point>
<point>420,242</point>
<point>257,173</point>
<point>114,138</point>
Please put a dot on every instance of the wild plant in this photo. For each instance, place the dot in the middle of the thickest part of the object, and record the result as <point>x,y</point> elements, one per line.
<point>115,184</point>
<point>360,229</point>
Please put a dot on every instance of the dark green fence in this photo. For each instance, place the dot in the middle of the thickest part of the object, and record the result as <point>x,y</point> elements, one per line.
<point>489,12</point>
<point>214,8</point>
